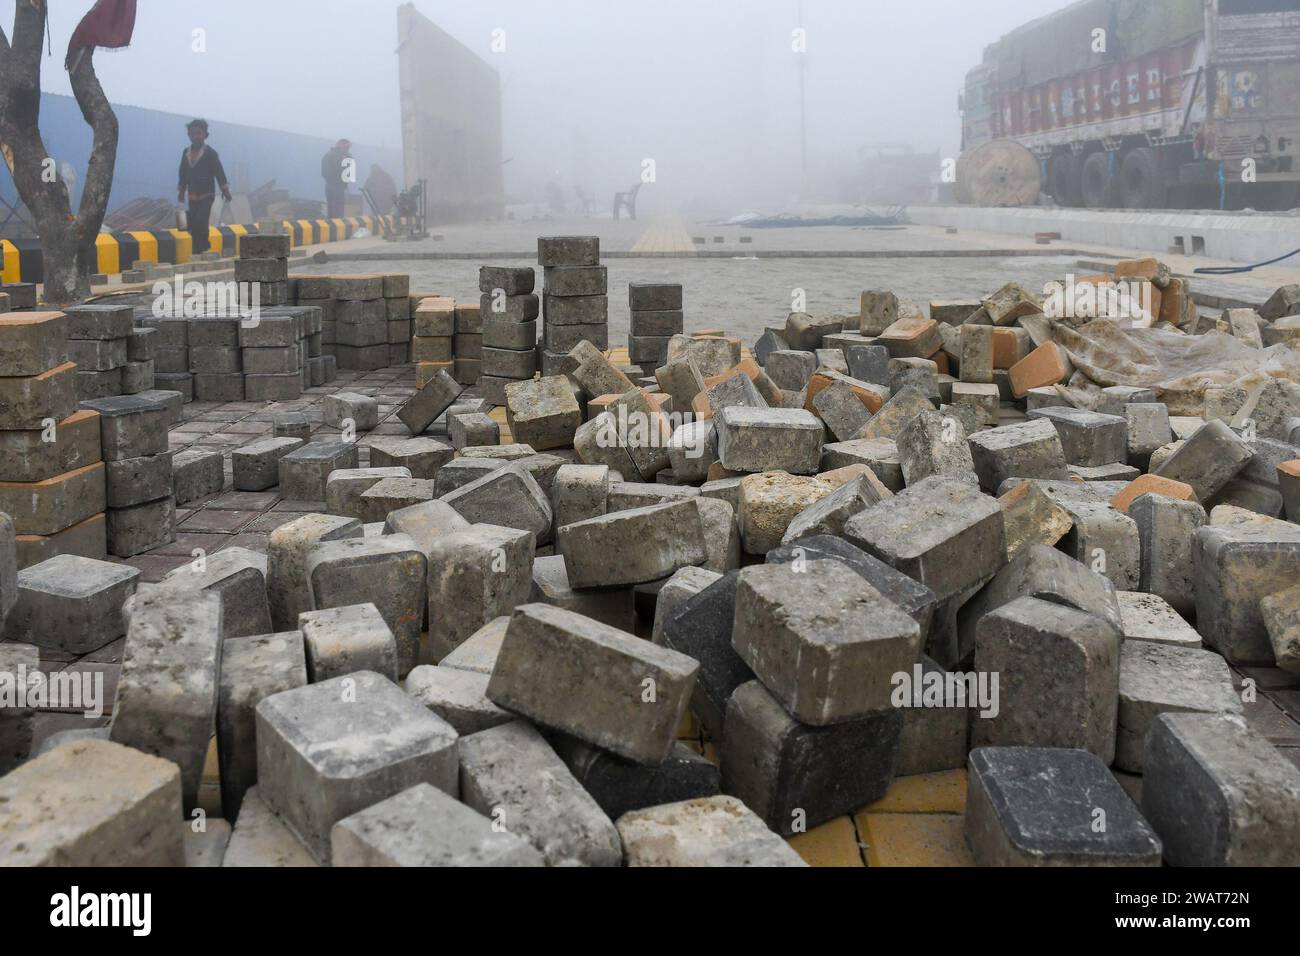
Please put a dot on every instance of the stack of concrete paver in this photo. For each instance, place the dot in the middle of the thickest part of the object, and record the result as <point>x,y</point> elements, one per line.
<point>51,470</point>
<point>170,346</point>
<point>822,583</point>
<point>508,310</point>
<point>313,290</point>
<point>113,356</point>
<point>139,491</point>
<point>354,324</point>
<point>263,265</point>
<point>656,317</point>
<point>433,339</point>
<point>276,353</point>
<point>19,296</point>
<point>575,300</point>
<point>397,308</point>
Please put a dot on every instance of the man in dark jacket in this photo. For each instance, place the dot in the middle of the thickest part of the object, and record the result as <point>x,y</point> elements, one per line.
<point>337,169</point>
<point>201,174</point>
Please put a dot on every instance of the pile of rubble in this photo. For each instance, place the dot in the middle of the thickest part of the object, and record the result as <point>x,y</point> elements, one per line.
<point>881,545</point>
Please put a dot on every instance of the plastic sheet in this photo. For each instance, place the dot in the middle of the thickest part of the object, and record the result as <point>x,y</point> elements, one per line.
<point>1177,367</point>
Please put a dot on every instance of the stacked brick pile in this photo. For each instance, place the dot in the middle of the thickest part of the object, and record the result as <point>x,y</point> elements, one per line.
<point>216,362</point>
<point>264,261</point>
<point>468,346</point>
<point>397,305</point>
<point>365,318</point>
<point>433,342</point>
<point>113,356</point>
<point>575,303</point>
<point>317,291</point>
<point>656,317</point>
<point>274,353</point>
<point>19,297</point>
<point>51,472</point>
<point>509,309</point>
<point>170,344</point>
<point>361,315</point>
<point>139,492</point>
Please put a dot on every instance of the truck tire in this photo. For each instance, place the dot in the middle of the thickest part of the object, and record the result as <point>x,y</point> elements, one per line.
<point>1142,183</point>
<point>1095,180</point>
<point>1063,180</point>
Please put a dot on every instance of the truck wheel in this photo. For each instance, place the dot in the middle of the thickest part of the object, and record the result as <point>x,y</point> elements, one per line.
<point>1063,179</point>
<point>1095,180</point>
<point>1141,180</point>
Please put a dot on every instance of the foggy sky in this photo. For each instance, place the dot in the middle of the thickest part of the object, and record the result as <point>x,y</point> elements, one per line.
<point>706,88</point>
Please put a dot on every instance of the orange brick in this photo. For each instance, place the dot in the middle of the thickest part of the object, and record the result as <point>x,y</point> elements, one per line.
<point>765,386</point>
<point>1291,468</point>
<point>823,378</point>
<point>842,476</point>
<point>912,336</point>
<point>1151,485</point>
<point>436,303</point>
<point>1176,305</point>
<point>1150,268</point>
<point>1006,351</point>
<point>717,472</point>
<point>940,360</point>
<point>600,404</point>
<point>1045,365</point>
<point>700,406</point>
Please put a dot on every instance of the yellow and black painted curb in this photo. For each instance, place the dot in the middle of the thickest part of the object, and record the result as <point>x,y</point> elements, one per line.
<point>116,252</point>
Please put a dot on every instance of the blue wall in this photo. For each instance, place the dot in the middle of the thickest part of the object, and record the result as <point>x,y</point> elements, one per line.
<point>150,144</point>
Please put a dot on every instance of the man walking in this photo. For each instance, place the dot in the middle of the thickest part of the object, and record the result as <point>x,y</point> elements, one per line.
<point>335,168</point>
<point>201,174</point>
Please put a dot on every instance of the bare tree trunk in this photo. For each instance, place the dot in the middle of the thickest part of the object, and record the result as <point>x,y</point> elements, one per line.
<point>67,241</point>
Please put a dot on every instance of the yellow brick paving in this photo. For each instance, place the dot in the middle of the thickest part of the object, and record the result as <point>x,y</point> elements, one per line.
<point>665,234</point>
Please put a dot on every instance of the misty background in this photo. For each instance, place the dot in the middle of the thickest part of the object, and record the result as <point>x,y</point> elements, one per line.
<point>708,90</point>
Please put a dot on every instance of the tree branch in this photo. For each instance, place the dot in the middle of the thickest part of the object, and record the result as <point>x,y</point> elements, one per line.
<point>98,114</point>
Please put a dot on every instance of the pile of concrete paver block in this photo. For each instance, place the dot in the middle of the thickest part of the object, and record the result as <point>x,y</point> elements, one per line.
<point>433,338</point>
<point>657,316</point>
<point>18,297</point>
<point>508,310</point>
<point>51,466</point>
<point>364,319</point>
<point>113,356</point>
<point>575,299</point>
<point>266,357</point>
<point>139,490</point>
<point>841,564</point>
<point>446,335</point>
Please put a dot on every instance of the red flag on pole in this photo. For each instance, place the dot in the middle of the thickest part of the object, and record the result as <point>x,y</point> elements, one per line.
<point>109,24</point>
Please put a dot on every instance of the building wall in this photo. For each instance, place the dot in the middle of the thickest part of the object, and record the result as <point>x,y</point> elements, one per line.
<point>150,144</point>
<point>451,121</point>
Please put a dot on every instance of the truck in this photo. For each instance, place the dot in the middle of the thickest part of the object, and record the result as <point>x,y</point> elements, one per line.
<point>1148,104</point>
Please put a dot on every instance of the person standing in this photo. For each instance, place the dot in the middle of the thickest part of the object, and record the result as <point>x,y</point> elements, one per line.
<point>334,169</point>
<point>201,174</point>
